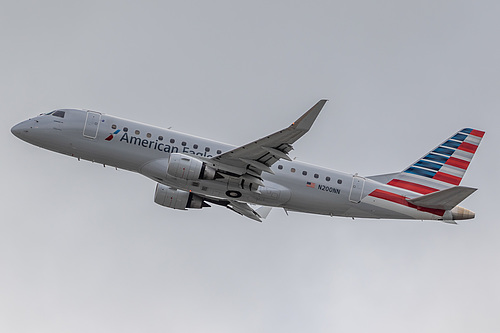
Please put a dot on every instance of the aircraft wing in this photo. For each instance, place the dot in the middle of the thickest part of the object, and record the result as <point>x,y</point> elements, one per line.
<point>241,208</point>
<point>258,156</point>
<point>244,209</point>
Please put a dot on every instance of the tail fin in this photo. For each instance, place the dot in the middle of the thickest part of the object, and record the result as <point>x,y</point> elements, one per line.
<point>443,167</point>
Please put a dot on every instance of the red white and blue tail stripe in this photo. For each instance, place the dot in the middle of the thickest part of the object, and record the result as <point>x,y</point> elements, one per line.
<point>442,167</point>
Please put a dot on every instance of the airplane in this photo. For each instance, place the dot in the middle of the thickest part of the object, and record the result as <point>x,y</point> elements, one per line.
<point>193,172</point>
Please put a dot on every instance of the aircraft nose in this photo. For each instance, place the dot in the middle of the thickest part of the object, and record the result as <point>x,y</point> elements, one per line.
<point>16,130</point>
<point>20,129</point>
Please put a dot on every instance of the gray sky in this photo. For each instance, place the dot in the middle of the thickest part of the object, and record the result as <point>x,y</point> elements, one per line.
<point>84,248</point>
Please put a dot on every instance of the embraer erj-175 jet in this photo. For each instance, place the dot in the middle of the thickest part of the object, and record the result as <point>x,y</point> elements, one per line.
<point>193,172</point>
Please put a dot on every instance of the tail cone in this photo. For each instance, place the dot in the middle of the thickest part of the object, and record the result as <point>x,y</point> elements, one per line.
<point>460,213</point>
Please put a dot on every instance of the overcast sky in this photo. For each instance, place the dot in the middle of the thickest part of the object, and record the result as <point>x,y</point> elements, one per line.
<point>85,249</point>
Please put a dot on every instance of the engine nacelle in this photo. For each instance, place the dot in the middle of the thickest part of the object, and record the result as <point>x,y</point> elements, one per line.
<point>177,199</point>
<point>188,167</point>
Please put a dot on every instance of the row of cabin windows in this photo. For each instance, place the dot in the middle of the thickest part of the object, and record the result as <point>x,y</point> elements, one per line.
<point>293,170</point>
<point>207,149</point>
<point>160,138</point>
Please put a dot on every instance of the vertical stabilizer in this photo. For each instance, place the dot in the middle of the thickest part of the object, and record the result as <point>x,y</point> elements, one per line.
<point>443,167</point>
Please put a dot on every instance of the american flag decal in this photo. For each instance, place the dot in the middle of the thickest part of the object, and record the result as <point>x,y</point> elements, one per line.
<point>309,184</point>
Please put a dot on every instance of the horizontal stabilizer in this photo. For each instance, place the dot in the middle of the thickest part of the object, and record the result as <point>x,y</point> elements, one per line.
<point>445,199</point>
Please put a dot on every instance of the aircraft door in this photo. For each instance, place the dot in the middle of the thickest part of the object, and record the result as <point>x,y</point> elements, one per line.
<point>358,184</point>
<point>91,124</point>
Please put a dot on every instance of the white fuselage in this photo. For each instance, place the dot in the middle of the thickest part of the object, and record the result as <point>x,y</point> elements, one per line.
<point>145,149</point>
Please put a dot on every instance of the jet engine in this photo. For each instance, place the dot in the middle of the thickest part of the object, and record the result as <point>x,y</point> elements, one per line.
<point>177,199</point>
<point>188,167</point>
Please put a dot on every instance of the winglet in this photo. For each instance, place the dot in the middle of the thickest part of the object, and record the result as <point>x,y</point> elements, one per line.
<point>263,211</point>
<point>307,119</point>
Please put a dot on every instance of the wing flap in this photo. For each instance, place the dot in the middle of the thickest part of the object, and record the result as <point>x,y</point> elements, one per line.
<point>258,165</point>
<point>277,153</point>
<point>445,199</point>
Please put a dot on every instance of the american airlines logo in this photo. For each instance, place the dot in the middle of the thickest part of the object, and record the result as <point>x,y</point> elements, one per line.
<point>110,137</point>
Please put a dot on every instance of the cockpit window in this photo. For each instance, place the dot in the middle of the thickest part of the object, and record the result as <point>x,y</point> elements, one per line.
<point>59,113</point>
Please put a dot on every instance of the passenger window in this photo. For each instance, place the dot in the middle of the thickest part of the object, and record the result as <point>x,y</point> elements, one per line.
<point>219,151</point>
<point>59,114</point>
<point>160,138</point>
<point>125,129</point>
<point>113,126</point>
<point>304,173</point>
<point>172,140</point>
<point>207,149</point>
<point>292,170</point>
<point>195,146</point>
<point>137,132</point>
<point>339,181</point>
<point>148,135</point>
<point>328,179</point>
<point>183,143</point>
<point>280,167</point>
<point>316,175</point>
